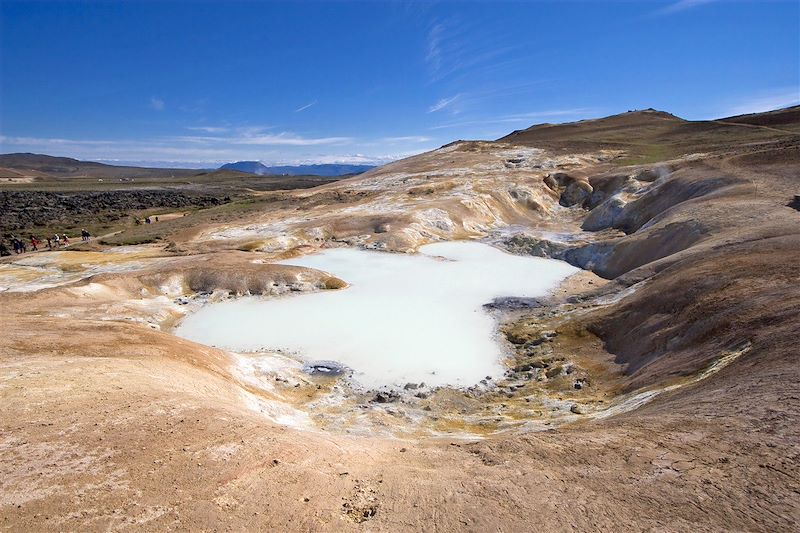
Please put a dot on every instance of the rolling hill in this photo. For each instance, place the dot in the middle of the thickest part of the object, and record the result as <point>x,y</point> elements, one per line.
<point>650,135</point>
<point>43,166</point>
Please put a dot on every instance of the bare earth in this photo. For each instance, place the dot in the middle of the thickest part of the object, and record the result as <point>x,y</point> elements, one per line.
<point>682,332</point>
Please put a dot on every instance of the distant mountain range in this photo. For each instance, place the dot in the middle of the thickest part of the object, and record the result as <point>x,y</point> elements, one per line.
<point>328,170</point>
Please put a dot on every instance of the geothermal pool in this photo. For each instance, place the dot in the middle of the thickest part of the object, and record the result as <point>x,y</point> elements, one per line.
<point>405,318</point>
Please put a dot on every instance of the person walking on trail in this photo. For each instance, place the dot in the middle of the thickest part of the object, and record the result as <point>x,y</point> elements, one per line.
<point>49,244</point>
<point>19,246</point>
<point>4,249</point>
<point>56,240</point>
<point>15,244</point>
<point>34,244</point>
<point>65,239</point>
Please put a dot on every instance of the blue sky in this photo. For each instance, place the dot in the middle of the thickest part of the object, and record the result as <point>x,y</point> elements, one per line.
<point>199,83</point>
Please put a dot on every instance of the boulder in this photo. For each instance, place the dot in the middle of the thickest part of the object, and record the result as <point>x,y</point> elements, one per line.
<point>578,192</point>
<point>605,215</point>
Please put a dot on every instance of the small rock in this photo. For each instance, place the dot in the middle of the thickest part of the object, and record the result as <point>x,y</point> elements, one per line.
<point>553,372</point>
<point>386,397</point>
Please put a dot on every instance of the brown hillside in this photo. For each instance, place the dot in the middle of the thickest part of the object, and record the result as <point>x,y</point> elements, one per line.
<point>648,136</point>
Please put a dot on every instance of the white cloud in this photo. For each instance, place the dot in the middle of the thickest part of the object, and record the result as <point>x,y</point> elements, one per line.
<point>434,52</point>
<point>202,146</point>
<point>169,152</point>
<point>200,150</point>
<point>776,99</point>
<point>288,139</point>
<point>208,129</point>
<point>407,139</point>
<point>256,137</point>
<point>443,103</point>
<point>527,118</point>
<point>681,5</point>
<point>157,103</point>
<point>462,53</point>
<point>91,149</point>
<point>346,159</point>
<point>304,107</point>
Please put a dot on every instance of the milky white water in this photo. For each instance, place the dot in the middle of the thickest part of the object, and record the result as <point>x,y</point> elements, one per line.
<point>404,318</point>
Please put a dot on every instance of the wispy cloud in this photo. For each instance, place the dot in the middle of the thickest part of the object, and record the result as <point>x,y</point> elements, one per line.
<point>156,103</point>
<point>681,5</point>
<point>434,47</point>
<point>474,62</point>
<point>208,129</point>
<point>443,103</point>
<point>237,144</point>
<point>458,51</point>
<point>158,151</point>
<point>53,141</point>
<point>289,139</point>
<point>171,151</point>
<point>454,46</point>
<point>94,149</point>
<point>258,137</point>
<point>303,108</point>
<point>527,118</point>
<point>766,101</point>
<point>407,139</point>
<point>349,159</point>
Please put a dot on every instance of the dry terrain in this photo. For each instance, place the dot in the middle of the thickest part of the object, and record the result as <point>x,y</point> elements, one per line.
<point>658,389</point>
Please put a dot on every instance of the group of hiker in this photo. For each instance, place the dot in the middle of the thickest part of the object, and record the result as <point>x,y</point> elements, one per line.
<point>19,246</point>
